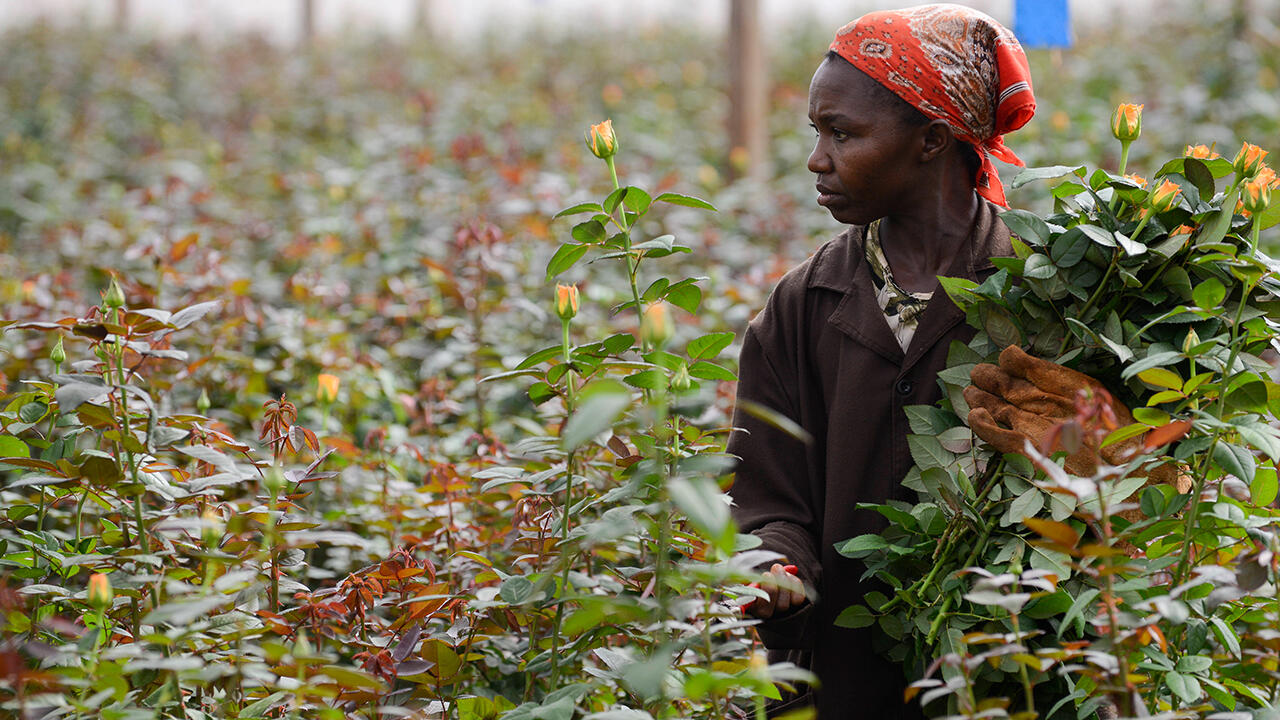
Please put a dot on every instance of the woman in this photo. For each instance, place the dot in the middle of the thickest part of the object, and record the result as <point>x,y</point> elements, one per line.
<point>909,107</point>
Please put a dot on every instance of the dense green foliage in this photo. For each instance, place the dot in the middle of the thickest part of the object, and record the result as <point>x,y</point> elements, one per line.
<point>1031,587</point>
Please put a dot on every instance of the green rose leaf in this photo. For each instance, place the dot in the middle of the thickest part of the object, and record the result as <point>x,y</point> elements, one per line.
<point>1026,225</point>
<point>1209,294</point>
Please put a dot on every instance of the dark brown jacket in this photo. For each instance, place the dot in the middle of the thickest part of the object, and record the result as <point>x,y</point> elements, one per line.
<point>822,354</point>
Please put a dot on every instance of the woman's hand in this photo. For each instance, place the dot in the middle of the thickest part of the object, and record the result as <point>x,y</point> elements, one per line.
<point>786,592</point>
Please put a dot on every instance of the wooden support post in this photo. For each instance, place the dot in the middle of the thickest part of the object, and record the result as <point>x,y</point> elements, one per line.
<point>748,93</point>
<point>307,21</point>
<point>421,16</point>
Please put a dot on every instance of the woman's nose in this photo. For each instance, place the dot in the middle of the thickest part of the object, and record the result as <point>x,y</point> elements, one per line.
<point>819,162</point>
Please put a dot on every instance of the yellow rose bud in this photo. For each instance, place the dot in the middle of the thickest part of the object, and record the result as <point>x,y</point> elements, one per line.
<point>758,664</point>
<point>1249,160</point>
<point>302,646</point>
<point>1163,197</point>
<point>1192,340</point>
<point>681,380</point>
<point>100,593</point>
<point>327,388</point>
<point>1256,194</point>
<point>566,301</point>
<point>211,528</point>
<point>1200,152</point>
<point>655,325</point>
<point>1126,122</point>
<point>114,296</point>
<point>273,481</point>
<point>601,140</point>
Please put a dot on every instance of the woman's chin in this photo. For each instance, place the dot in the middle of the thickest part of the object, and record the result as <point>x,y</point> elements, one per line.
<point>848,216</point>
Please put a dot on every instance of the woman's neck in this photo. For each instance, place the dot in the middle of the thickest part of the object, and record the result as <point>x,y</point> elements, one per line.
<point>922,244</point>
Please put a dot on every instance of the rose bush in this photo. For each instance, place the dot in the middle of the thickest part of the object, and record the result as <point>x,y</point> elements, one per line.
<point>1017,588</point>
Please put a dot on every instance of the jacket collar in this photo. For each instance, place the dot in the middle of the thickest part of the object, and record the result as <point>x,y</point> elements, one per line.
<point>843,268</point>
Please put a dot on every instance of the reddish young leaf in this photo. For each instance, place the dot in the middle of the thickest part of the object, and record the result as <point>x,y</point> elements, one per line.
<point>1165,434</point>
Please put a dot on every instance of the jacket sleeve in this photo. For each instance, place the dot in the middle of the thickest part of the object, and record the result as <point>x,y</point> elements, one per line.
<point>772,488</point>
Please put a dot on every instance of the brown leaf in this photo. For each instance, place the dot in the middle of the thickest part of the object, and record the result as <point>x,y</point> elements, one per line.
<point>1165,434</point>
<point>1058,532</point>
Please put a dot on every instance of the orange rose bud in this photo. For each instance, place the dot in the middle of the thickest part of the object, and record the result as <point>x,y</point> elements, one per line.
<point>655,325</point>
<point>566,301</point>
<point>1268,176</point>
<point>1249,160</point>
<point>1163,197</point>
<point>1199,152</point>
<point>1256,194</point>
<point>327,387</point>
<point>1126,122</point>
<point>601,140</point>
<point>100,593</point>
<point>1137,179</point>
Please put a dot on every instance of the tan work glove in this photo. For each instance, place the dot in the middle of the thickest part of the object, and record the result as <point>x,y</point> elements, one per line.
<point>1025,398</point>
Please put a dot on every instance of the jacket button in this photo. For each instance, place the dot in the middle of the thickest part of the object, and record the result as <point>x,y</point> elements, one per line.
<point>904,387</point>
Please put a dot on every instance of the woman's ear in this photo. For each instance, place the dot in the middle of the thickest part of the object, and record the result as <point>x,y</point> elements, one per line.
<point>937,139</point>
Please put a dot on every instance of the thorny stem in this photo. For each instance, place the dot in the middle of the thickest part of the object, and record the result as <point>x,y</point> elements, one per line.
<point>1113,621</point>
<point>1228,371</point>
<point>1102,285</point>
<point>566,560</point>
<point>633,263</point>
<point>948,540</point>
<point>118,353</point>
<point>660,569</point>
<point>1115,258</point>
<point>79,513</point>
<point>1022,669</point>
<point>1189,522</point>
<point>613,171</point>
<point>477,328</point>
<point>1142,225</point>
<point>708,649</point>
<point>1184,558</point>
<point>946,603</point>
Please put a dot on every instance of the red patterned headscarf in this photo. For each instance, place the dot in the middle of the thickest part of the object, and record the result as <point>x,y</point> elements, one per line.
<point>951,63</point>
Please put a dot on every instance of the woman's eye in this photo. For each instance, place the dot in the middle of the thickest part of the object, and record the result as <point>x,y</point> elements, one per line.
<point>838,134</point>
<point>815,128</point>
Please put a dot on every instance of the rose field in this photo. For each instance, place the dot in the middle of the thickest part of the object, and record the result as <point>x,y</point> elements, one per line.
<point>348,381</point>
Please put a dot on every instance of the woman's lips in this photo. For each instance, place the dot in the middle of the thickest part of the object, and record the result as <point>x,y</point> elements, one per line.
<point>827,196</point>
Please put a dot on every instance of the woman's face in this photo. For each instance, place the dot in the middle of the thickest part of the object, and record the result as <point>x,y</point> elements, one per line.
<point>866,157</point>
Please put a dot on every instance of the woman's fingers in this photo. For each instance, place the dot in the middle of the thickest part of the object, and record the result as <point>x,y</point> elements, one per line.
<point>785,591</point>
